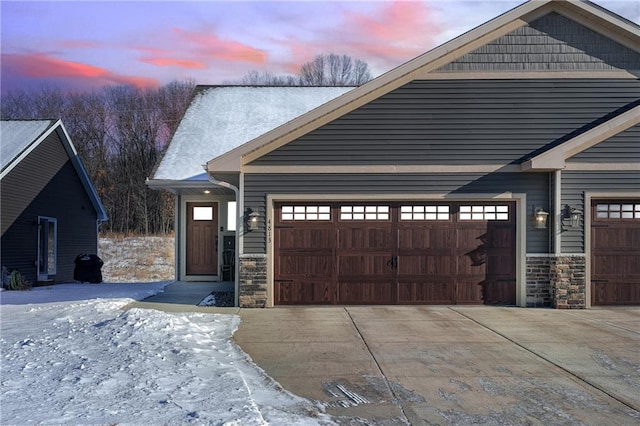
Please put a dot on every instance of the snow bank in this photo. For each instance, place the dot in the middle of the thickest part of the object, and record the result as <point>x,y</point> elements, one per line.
<point>71,355</point>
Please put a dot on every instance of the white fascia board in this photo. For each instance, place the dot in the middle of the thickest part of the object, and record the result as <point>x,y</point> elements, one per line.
<point>554,159</point>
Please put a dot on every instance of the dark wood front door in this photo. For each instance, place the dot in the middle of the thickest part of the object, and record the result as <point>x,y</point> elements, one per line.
<point>395,253</point>
<point>202,236</point>
<point>615,252</point>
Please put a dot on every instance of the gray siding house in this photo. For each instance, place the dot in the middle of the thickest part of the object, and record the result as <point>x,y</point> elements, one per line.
<point>50,209</point>
<point>502,167</point>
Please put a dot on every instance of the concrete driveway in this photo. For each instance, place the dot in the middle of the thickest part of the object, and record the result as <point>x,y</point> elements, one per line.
<point>453,365</point>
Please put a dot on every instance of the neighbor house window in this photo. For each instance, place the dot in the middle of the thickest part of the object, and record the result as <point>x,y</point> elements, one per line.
<point>484,212</point>
<point>364,213</point>
<point>306,213</point>
<point>47,247</point>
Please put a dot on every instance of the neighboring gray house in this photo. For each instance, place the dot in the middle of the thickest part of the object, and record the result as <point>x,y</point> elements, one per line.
<point>50,209</point>
<point>502,167</point>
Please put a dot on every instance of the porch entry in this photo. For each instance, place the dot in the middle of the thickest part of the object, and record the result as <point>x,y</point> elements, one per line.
<point>202,239</point>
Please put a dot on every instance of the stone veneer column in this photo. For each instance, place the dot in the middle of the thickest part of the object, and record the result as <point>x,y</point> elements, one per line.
<point>538,285</point>
<point>568,281</point>
<point>253,281</point>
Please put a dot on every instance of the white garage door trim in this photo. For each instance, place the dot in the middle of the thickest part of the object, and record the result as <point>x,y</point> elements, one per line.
<point>521,224</point>
<point>588,197</point>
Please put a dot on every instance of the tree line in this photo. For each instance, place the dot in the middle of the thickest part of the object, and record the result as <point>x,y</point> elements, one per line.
<point>120,132</point>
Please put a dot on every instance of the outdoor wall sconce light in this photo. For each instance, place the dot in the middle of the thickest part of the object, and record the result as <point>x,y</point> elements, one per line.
<point>250,219</point>
<point>571,214</point>
<point>540,218</point>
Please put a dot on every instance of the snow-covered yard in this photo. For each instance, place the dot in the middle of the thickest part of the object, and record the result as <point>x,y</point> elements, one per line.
<point>72,355</point>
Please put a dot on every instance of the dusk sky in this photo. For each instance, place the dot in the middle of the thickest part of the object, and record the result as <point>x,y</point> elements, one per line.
<point>81,45</point>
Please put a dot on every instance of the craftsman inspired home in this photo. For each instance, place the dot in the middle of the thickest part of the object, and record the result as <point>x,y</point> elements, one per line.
<point>502,167</point>
<point>50,209</point>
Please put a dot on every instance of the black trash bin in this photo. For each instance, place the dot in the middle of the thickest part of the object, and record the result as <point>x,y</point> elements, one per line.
<point>88,268</point>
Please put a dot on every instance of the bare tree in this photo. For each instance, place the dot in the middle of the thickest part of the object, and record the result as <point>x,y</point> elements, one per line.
<point>256,78</point>
<point>334,70</point>
<point>323,70</point>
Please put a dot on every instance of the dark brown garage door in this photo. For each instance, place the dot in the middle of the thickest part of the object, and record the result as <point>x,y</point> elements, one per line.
<point>615,252</point>
<point>394,253</point>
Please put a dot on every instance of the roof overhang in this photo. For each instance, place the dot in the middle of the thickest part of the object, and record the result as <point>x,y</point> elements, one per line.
<point>555,158</point>
<point>423,67</point>
<point>187,187</point>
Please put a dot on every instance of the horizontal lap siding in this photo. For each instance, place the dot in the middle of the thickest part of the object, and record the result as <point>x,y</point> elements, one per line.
<point>551,43</point>
<point>459,122</point>
<point>258,186</point>
<point>621,148</point>
<point>574,185</point>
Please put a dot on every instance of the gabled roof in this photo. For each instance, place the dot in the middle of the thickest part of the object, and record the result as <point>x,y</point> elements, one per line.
<point>588,14</point>
<point>20,137</point>
<point>221,118</point>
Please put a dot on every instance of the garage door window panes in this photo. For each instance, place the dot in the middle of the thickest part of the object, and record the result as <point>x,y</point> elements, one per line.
<point>618,211</point>
<point>306,213</point>
<point>484,212</point>
<point>364,213</point>
<point>424,213</point>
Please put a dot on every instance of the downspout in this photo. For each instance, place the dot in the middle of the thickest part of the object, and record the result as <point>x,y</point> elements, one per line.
<point>557,212</point>
<point>238,225</point>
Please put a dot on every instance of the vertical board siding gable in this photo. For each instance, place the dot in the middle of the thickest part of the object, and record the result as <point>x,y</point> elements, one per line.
<point>551,43</point>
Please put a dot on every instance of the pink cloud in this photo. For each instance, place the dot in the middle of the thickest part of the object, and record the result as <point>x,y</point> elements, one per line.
<point>212,46</point>
<point>41,66</point>
<point>393,34</point>
<point>169,62</point>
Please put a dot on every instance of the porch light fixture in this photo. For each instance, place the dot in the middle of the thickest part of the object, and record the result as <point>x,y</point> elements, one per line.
<point>572,215</point>
<point>540,218</point>
<point>250,219</point>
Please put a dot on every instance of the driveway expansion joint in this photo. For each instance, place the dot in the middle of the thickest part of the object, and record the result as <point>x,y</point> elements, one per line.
<point>396,398</point>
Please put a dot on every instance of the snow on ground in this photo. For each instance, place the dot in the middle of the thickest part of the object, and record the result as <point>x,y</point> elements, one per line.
<point>70,354</point>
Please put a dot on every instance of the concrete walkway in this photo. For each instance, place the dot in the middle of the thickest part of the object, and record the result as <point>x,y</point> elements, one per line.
<point>182,296</point>
<point>453,365</point>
